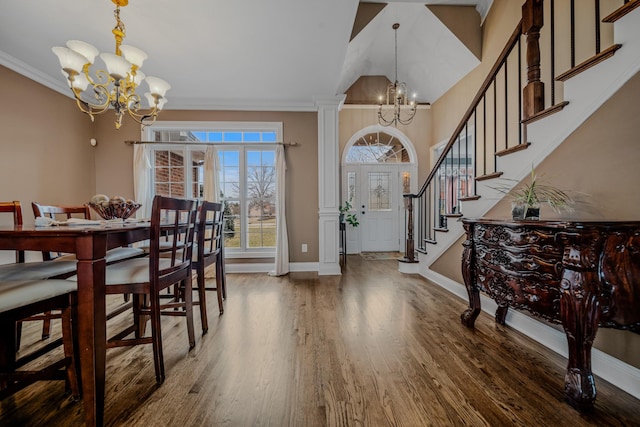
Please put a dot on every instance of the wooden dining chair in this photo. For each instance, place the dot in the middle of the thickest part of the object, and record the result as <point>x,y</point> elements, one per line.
<point>146,277</point>
<point>57,213</point>
<point>20,299</point>
<point>208,251</point>
<point>65,212</point>
<point>21,270</point>
<point>15,209</point>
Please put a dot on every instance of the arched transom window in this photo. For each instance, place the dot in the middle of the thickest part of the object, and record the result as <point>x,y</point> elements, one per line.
<point>377,147</point>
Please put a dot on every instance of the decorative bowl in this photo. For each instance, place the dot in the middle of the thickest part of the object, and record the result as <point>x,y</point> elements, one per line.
<point>115,210</point>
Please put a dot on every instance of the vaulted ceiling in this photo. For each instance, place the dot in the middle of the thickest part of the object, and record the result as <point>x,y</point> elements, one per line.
<point>255,54</point>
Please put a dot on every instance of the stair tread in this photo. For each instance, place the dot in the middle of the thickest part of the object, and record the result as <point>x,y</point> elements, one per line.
<point>489,176</point>
<point>513,149</point>
<point>621,11</point>
<point>546,112</point>
<point>594,60</point>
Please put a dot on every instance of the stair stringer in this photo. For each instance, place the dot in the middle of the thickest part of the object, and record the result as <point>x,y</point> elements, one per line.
<point>586,92</point>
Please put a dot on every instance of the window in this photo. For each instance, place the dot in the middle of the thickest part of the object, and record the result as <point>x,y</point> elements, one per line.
<point>379,190</point>
<point>456,173</point>
<point>377,147</point>
<point>246,176</point>
<point>247,179</point>
<point>172,178</point>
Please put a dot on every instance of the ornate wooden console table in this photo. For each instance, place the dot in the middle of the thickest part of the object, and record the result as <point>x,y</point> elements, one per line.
<point>583,275</point>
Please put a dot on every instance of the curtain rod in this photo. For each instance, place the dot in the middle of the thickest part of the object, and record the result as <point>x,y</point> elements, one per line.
<point>130,142</point>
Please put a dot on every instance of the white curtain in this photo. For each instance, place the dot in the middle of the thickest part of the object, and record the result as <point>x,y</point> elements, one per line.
<point>282,239</point>
<point>211,181</point>
<point>142,179</point>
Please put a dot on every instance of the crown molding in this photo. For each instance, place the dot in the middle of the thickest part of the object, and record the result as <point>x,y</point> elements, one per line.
<point>28,71</point>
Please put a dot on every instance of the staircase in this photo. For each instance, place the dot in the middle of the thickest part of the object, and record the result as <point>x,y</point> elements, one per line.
<point>503,138</point>
<point>461,184</point>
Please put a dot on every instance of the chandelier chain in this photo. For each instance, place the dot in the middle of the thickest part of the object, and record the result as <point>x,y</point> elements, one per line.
<point>397,97</point>
<point>396,52</point>
<point>119,30</point>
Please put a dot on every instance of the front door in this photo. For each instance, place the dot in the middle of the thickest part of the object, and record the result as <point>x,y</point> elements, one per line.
<point>379,164</point>
<point>378,208</point>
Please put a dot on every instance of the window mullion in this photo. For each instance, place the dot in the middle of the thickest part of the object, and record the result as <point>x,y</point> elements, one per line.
<point>244,209</point>
<point>187,173</point>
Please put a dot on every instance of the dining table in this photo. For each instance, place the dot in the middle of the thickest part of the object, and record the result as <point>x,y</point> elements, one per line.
<point>89,243</point>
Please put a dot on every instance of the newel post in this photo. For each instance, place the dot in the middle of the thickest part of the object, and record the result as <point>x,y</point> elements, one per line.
<point>409,251</point>
<point>533,92</point>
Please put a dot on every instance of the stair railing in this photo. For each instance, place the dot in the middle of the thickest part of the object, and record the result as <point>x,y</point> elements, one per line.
<point>452,177</point>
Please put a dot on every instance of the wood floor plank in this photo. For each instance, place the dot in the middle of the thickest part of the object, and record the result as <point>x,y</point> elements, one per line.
<point>372,347</point>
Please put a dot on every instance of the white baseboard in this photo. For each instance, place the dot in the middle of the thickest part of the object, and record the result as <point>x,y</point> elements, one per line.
<point>303,266</point>
<point>248,267</point>
<point>615,371</point>
<point>268,266</point>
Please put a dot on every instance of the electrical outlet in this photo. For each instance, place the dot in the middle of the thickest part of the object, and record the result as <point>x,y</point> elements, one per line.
<point>304,247</point>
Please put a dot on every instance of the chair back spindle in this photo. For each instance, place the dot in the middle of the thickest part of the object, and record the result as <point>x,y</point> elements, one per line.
<point>15,209</point>
<point>208,251</point>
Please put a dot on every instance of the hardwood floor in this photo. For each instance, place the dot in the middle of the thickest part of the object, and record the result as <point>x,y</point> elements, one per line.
<point>370,348</point>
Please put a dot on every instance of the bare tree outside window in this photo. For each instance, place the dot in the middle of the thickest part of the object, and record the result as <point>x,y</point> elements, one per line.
<point>261,189</point>
<point>260,194</point>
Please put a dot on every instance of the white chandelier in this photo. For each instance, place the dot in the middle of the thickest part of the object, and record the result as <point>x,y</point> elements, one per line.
<point>398,108</point>
<point>115,87</point>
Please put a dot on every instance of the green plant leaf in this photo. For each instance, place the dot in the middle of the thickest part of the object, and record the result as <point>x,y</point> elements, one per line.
<point>537,192</point>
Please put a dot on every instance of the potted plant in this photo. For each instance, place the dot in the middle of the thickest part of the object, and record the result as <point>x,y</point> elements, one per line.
<point>347,216</point>
<point>526,199</point>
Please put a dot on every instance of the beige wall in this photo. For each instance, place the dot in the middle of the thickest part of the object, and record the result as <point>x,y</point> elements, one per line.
<point>449,264</point>
<point>114,166</point>
<point>45,151</point>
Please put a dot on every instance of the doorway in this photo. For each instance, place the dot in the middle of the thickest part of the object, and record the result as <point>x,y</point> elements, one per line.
<point>378,167</point>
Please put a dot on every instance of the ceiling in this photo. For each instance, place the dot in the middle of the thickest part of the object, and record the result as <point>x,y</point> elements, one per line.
<point>253,54</point>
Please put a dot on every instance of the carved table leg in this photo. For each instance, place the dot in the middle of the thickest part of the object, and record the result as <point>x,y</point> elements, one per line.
<point>579,313</point>
<point>468,317</point>
<point>501,314</point>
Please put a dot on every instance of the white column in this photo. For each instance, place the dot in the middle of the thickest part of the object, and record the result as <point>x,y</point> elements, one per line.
<point>329,185</point>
